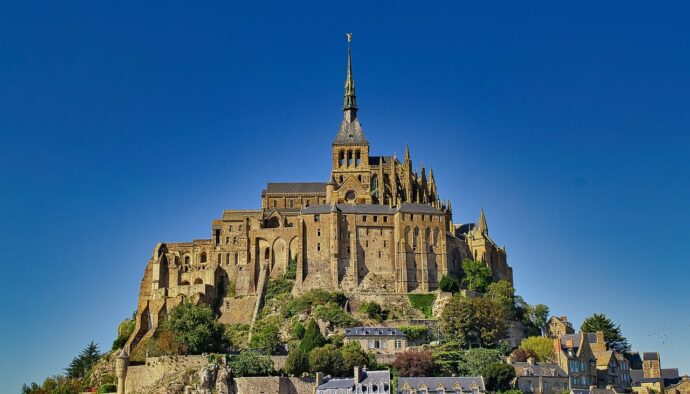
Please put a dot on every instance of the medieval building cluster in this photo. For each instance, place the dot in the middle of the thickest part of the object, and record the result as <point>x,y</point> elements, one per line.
<point>376,225</point>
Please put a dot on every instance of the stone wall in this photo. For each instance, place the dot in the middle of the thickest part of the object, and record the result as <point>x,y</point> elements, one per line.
<point>273,385</point>
<point>157,370</point>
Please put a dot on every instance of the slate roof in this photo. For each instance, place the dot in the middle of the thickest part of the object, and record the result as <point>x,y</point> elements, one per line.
<point>373,331</point>
<point>648,356</point>
<point>538,369</point>
<point>377,160</point>
<point>576,338</point>
<point>296,187</point>
<point>350,133</point>
<point>373,377</point>
<point>447,382</point>
<point>634,360</point>
<point>371,209</point>
<point>636,375</point>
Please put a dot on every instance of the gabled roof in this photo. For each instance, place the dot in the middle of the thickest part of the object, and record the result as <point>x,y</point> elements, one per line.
<point>369,377</point>
<point>373,331</point>
<point>538,369</point>
<point>296,187</point>
<point>448,383</point>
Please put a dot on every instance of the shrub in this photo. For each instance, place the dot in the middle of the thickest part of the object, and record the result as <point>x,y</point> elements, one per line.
<point>236,335</point>
<point>423,302</point>
<point>414,363</point>
<point>291,272</point>
<point>311,299</point>
<point>334,314</point>
<point>251,363</point>
<point>373,311</point>
<point>475,361</point>
<point>449,284</point>
<point>266,337</point>
<point>278,286</point>
<point>297,331</point>
<point>414,332</point>
<point>107,388</point>
<point>124,331</point>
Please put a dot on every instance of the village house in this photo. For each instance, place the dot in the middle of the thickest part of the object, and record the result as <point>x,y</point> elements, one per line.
<point>441,385</point>
<point>363,381</point>
<point>540,378</point>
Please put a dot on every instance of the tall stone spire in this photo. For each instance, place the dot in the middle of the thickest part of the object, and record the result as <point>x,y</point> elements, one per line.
<point>350,100</point>
<point>350,131</point>
<point>481,225</point>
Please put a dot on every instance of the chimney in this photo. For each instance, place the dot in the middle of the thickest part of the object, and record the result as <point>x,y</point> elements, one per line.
<point>600,337</point>
<point>358,374</point>
<point>556,345</point>
<point>319,379</point>
<point>530,360</point>
<point>563,319</point>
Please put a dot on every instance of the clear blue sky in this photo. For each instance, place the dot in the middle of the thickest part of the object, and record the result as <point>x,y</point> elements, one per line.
<point>124,124</point>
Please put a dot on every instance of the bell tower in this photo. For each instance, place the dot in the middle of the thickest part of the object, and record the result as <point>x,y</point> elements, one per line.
<point>350,149</point>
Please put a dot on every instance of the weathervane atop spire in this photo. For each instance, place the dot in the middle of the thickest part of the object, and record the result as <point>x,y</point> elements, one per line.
<point>350,101</point>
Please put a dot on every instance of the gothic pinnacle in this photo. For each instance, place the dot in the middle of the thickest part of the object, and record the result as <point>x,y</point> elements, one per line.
<point>350,100</point>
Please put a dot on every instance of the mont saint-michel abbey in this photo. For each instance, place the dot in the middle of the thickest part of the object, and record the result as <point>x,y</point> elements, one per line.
<point>374,225</point>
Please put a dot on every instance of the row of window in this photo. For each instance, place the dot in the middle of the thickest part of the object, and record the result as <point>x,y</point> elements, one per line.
<point>349,158</point>
<point>381,344</point>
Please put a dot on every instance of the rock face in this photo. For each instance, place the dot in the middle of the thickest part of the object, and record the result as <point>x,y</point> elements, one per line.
<point>222,386</point>
<point>207,376</point>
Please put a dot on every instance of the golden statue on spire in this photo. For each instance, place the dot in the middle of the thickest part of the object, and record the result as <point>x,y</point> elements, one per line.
<point>349,36</point>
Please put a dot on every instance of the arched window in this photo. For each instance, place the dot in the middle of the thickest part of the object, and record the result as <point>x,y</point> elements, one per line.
<point>349,158</point>
<point>237,258</point>
<point>341,158</point>
<point>374,186</point>
<point>267,254</point>
<point>358,158</point>
<point>203,257</point>
<point>198,281</point>
<point>292,204</point>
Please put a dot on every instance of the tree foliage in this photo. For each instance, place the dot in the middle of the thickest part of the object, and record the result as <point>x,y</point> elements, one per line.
<point>479,321</point>
<point>354,356</point>
<point>475,361</point>
<point>312,337</point>
<point>82,363</point>
<point>542,347</point>
<point>373,311</point>
<point>449,284</point>
<point>195,328</point>
<point>477,276</point>
<point>612,332</point>
<point>423,302</point>
<point>414,362</point>
<point>251,363</point>
<point>521,355</point>
<point>503,293</point>
<point>266,337</point>
<point>124,331</point>
<point>297,362</point>
<point>498,376</point>
<point>327,359</point>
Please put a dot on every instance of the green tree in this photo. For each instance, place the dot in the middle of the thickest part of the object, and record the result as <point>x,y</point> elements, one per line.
<point>612,332</point>
<point>542,347</point>
<point>297,331</point>
<point>327,359</point>
<point>251,363</point>
<point>312,337</point>
<point>195,328</point>
<point>449,284</point>
<point>498,376</point>
<point>297,362</point>
<point>539,314</point>
<point>522,355</point>
<point>354,356</point>
<point>477,276</point>
<point>81,364</point>
<point>448,358</point>
<point>475,361</point>
<point>503,293</point>
<point>473,321</point>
